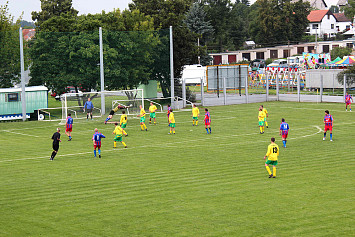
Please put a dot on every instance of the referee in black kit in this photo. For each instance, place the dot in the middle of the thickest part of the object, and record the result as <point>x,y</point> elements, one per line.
<point>56,140</point>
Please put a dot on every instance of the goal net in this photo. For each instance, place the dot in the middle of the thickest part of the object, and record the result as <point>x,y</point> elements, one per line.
<point>78,104</point>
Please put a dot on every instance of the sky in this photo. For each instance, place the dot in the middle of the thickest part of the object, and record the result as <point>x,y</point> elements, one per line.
<point>16,7</point>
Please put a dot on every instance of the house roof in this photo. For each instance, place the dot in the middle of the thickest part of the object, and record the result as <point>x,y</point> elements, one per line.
<point>342,2</point>
<point>341,17</point>
<point>28,33</point>
<point>317,15</point>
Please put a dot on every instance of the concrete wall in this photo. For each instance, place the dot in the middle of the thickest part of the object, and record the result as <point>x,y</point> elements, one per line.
<point>330,80</point>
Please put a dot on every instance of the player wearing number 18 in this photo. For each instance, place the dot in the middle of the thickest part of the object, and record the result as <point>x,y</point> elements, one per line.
<point>272,155</point>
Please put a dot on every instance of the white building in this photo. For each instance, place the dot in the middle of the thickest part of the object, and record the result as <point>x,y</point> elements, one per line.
<point>322,22</point>
<point>343,23</point>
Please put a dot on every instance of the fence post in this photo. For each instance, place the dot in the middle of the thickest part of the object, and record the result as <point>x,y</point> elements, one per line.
<point>183,93</point>
<point>298,76</point>
<point>277,87</point>
<point>202,92</point>
<point>321,88</point>
<point>267,86</point>
<point>345,77</point>
<point>225,90</point>
<point>246,90</point>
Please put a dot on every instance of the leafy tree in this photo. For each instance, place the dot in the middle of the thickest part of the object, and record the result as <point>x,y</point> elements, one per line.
<point>218,13</point>
<point>52,8</point>
<point>196,22</point>
<point>167,13</point>
<point>340,52</point>
<point>350,76</point>
<point>276,21</point>
<point>9,48</point>
<point>27,24</point>
<point>349,9</point>
<point>61,59</point>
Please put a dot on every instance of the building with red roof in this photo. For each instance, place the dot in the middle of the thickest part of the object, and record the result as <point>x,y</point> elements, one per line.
<point>28,34</point>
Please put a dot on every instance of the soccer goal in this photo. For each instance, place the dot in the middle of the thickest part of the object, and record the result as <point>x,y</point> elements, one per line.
<point>76,104</point>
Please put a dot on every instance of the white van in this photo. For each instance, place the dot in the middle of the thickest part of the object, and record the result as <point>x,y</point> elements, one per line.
<point>278,62</point>
<point>192,74</point>
<point>295,60</point>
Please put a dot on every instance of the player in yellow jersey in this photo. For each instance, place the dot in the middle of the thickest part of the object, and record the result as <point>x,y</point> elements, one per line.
<point>172,122</point>
<point>195,115</point>
<point>261,117</point>
<point>267,115</point>
<point>152,109</point>
<point>272,155</point>
<point>142,120</point>
<point>118,138</point>
<point>123,120</point>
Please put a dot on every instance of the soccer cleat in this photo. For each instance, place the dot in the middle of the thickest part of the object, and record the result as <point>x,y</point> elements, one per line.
<point>274,176</point>
<point>126,135</point>
<point>99,156</point>
<point>125,146</point>
<point>323,138</point>
<point>150,122</point>
<point>115,147</point>
<point>105,122</point>
<point>146,129</point>
<point>51,158</point>
<point>267,126</point>
<point>331,140</point>
<point>270,176</point>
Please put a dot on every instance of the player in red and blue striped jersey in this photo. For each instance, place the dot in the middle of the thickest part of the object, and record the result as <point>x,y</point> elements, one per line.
<point>69,126</point>
<point>207,121</point>
<point>328,125</point>
<point>348,100</point>
<point>96,138</point>
<point>284,127</point>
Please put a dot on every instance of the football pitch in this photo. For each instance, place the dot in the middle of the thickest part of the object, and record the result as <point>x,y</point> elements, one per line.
<point>187,184</point>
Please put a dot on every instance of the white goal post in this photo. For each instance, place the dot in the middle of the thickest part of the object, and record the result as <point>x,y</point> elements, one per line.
<point>73,103</point>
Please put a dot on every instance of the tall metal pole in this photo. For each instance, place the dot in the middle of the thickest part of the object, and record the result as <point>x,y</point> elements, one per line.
<point>102,76</point>
<point>171,68</point>
<point>23,82</point>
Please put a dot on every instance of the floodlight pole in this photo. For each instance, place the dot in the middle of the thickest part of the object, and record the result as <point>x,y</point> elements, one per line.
<point>102,76</point>
<point>321,88</point>
<point>171,68</point>
<point>202,91</point>
<point>345,77</point>
<point>246,90</point>
<point>298,76</point>
<point>23,82</point>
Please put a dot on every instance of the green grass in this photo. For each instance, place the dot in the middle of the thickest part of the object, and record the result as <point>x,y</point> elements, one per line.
<point>188,184</point>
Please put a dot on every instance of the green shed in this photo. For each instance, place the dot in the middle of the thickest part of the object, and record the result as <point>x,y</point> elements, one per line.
<point>11,106</point>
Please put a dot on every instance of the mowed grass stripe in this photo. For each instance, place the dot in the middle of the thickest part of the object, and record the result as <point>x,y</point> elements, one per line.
<point>219,187</point>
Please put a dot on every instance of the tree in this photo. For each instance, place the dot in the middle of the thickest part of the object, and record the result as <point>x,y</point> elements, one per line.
<point>9,48</point>
<point>349,9</point>
<point>62,59</point>
<point>52,8</point>
<point>196,22</point>
<point>350,76</point>
<point>276,21</point>
<point>167,13</point>
<point>218,13</point>
<point>340,52</point>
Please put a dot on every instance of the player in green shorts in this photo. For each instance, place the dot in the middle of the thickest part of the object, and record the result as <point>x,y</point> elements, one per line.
<point>272,157</point>
<point>152,109</point>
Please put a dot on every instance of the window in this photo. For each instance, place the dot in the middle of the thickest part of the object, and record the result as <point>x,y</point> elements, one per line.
<point>315,26</point>
<point>12,97</point>
<point>273,54</point>
<point>332,26</point>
